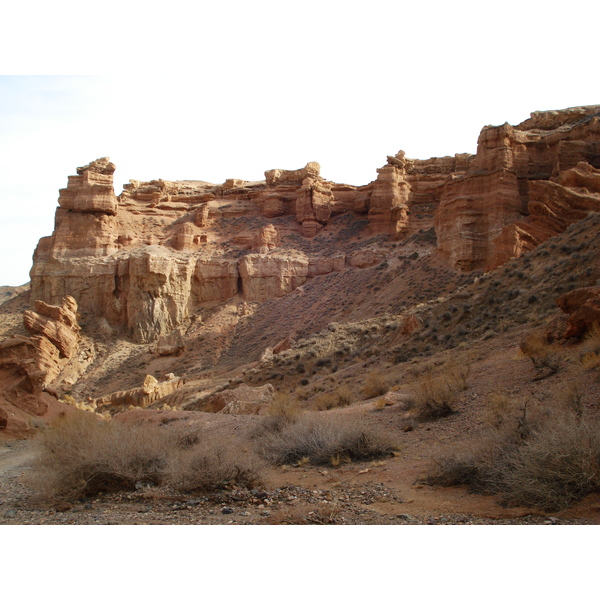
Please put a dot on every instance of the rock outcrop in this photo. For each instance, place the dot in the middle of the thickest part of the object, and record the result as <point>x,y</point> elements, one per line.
<point>516,192</point>
<point>146,261</point>
<point>582,306</point>
<point>28,365</point>
<point>242,400</point>
<point>149,392</point>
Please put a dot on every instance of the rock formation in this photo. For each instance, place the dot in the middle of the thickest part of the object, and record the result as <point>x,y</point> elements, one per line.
<point>149,259</point>
<point>516,192</point>
<point>582,306</point>
<point>28,365</point>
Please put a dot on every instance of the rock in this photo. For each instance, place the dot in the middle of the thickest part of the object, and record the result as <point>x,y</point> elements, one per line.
<point>313,205</point>
<point>273,275</point>
<point>266,239</point>
<point>366,257</point>
<point>283,345</point>
<point>56,323</point>
<point>151,391</point>
<point>583,307</point>
<point>389,202</point>
<point>505,203</point>
<point>280,176</point>
<point>28,365</point>
<point>171,344</point>
<point>91,190</point>
<point>243,400</point>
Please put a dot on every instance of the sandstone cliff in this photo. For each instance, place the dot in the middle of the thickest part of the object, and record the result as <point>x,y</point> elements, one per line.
<point>28,365</point>
<point>522,187</point>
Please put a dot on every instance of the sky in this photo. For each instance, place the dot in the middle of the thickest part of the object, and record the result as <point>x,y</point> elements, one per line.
<point>229,89</point>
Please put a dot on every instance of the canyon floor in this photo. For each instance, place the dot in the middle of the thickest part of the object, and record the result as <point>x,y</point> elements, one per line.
<point>389,491</point>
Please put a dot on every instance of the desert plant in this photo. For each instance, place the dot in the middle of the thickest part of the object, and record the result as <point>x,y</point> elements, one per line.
<point>434,397</point>
<point>323,441</point>
<point>548,464</point>
<point>557,465</point>
<point>376,384</point>
<point>81,455</point>
<point>211,467</point>
<point>341,396</point>
<point>543,355</point>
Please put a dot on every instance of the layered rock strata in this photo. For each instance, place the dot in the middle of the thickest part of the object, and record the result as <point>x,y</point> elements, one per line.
<point>28,365</point>
<point>147,260</point>
<point>514,193</point>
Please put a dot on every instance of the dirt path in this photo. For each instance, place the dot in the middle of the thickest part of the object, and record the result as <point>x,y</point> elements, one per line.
<point>14,456</point>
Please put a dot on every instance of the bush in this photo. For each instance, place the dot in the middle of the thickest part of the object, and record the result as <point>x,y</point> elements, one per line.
<point>82,455</point>
<point>323,441</point>
<point>376,384</point>
<point>542,354</point>
<point>548,465</point>
<point>342,396</point>
<point>209,468</point>
<point>435,398</point>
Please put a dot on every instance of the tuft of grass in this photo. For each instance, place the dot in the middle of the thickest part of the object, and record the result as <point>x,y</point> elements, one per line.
<point>543,355</point>
<point>376,384</point>
<point>434,398</point>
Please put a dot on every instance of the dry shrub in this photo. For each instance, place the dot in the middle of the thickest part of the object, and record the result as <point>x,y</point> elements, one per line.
<point>376,384</point>
<point>542,354</point>
<point>285,406</point>
<point>550,463</point>
<point>434,397</point>
<point>342,396</point>
<point>557,466</point>
<point>457,374</point>
<point>323,441</point>
<point>589,350</point>
<point>211,467</point>
<point>81,455</point>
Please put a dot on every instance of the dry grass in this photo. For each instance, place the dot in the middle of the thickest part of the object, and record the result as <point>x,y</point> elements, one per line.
<point>323,441</point>
<point>547,460</point>
<point>342,396</point>
<point>376,384</point>
<point>434,397</point>
<point>589,349</point>
<point>82,455</point>
<point>544,356</point>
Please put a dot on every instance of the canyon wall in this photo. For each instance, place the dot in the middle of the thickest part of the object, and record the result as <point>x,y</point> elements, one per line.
<point>523,186</point>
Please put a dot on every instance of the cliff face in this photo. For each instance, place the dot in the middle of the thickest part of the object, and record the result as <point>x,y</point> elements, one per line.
<point>149,259</point>
<point>523,186</point>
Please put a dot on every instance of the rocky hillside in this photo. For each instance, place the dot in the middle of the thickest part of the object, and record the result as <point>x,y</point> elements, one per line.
<point>201,286</point>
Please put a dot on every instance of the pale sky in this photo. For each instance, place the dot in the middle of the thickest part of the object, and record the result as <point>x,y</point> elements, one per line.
<point>230,89</point>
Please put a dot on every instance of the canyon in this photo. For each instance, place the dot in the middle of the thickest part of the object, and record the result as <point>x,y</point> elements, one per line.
<point>187,297</point>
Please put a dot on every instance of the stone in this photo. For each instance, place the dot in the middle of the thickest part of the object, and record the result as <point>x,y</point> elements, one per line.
<point>583,307</point>
<point>242,400</point>
<point>150,392</point>
<point>526,184</point>
<point>91,190</point>
<point>267,239</point>
<point>390,197</point>
<point>171,344</point>
<point>272,275</point>
<point>56,323</point>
